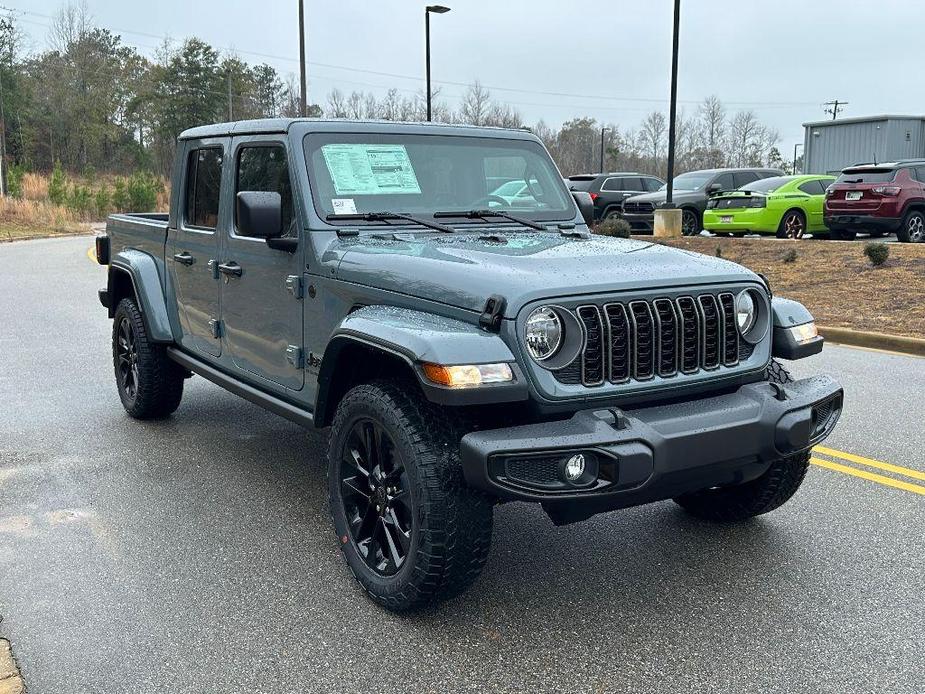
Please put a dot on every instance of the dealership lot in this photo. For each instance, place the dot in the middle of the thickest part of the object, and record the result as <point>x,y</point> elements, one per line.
<point>196,554</point>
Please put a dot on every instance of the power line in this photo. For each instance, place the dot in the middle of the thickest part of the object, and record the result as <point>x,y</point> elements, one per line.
<point>417,78</point>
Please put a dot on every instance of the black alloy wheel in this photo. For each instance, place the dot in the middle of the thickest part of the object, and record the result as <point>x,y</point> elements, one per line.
<point>376,497</point>
<point>127,358</point>
<point>689,223</point>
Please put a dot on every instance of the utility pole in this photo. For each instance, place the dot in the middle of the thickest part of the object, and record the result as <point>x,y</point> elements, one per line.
<point>798,144</point>
<point>303,110</point>
<point>2,142</point>
<point>230,107</point>
<point>602,150</point>
<point>673,107</point>
<point>835,107</point>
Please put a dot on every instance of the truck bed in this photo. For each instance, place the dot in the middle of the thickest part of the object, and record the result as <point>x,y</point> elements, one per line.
<point>144,231</point>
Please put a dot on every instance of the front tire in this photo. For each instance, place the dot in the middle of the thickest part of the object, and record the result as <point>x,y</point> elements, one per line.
<point>690,223</point>
<point>743,501</point>
<point>150,385</point>
<point>409,528</point>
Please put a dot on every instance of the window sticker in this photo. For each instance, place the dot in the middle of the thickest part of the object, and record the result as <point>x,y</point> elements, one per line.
<point>343,206</point>
<point>370,169</point>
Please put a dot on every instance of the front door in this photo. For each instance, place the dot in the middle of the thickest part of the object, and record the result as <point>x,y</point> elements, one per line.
<point>261,308</point>
<point>193,247</point>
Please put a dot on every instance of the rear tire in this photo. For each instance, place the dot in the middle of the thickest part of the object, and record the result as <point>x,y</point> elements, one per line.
<point>150,385</point>
<point>792,225</point>
<point>912,229</point>
<point>744,501</point>
<point>409,528</point>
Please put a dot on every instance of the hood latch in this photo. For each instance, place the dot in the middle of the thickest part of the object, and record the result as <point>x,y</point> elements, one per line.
<point>490,320</point>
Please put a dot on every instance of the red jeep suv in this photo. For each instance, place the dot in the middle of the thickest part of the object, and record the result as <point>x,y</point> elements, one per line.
<point>880,199</point>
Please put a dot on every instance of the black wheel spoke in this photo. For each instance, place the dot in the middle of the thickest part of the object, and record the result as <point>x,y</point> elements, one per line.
<point>376,498</point>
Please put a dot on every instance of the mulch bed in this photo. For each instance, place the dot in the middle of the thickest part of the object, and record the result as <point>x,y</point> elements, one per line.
<point>834,280</point>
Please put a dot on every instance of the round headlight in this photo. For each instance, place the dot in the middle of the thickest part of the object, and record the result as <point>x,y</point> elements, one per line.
<point>746,311</point>
<point>543,333</point>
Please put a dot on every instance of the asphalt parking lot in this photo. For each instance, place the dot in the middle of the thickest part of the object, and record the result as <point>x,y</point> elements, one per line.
<point>196,554</point>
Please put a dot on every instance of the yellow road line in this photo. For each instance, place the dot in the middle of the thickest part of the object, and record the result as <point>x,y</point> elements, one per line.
<point>871,476</point>
<point>880,465</point>
<point>91,253</point>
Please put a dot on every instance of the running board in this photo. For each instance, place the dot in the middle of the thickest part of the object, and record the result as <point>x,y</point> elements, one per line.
<point>249,393</point>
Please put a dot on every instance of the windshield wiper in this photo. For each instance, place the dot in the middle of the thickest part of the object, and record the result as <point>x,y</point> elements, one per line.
<point>484,214</point>
<point>386,216</point>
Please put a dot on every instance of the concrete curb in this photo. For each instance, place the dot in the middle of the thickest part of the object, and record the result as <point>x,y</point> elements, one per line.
<point>37,237</point>
<point>858,338</point>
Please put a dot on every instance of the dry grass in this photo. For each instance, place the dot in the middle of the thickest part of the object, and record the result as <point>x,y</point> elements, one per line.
<point>27,218</point>
<point>35,187</point>
<point>835,281</point>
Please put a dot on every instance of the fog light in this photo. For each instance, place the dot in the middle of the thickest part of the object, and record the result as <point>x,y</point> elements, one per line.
<point>575,467</point>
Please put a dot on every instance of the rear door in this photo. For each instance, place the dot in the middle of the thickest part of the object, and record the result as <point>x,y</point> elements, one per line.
<point>813,206</point>
<point>260,287</point>
<point>193,248</point>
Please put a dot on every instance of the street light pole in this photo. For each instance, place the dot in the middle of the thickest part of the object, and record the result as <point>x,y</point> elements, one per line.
<point>303,104</point>
<point>437,9</point>
<point>673,107</point>
<point>798,144</point>
<point>602,150</point>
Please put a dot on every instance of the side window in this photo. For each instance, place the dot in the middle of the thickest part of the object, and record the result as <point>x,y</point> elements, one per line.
<point>743,177</point>
<point>810,187</point>
<point>724,181</point>
<point>920,174</point>
<point>265,168</point>
<point>635,185</point>
<point>203,183</point>
<point>653,184</point>
<point>613,184</point>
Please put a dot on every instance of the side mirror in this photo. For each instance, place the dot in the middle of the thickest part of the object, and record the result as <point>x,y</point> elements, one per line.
<point>585,205</point>
<point>714,188</point>
<point>259,213</point>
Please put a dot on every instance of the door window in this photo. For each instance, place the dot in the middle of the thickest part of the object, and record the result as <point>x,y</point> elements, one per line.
<point>920,174</point>
<point>634,184</point>
<point>724,181</point>
<point>203,184</point>
<point>653,184</point>
<point>265,168</point>
<point>810,188</point>
<point>613,184</point>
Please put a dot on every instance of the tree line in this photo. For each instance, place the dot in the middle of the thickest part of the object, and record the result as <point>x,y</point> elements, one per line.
<point>91,102</point>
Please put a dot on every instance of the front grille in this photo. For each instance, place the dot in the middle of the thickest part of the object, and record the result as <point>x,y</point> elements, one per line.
<point>641,339</point>
<point>638,207</point>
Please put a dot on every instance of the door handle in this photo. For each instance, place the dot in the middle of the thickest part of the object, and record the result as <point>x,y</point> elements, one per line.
<point>231,268</point>
<point>184,258</point>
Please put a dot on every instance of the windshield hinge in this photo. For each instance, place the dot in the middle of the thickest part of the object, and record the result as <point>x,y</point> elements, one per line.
<point>490,320</point>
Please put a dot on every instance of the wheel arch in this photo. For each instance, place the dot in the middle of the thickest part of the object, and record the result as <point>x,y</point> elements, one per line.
<point>133,274</point>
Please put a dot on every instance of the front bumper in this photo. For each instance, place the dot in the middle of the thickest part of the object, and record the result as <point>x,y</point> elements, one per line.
<point>641,222</point>
<point>849,222</point>
<point>654,453</point>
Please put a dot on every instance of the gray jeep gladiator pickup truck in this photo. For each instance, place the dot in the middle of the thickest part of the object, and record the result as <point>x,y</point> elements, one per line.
<point>465,349</point>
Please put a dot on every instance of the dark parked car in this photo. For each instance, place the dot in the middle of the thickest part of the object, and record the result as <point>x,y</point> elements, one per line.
<point>351,276</point>
<point>691,192</point>
<point>879,199</point>
<point>609,190</point>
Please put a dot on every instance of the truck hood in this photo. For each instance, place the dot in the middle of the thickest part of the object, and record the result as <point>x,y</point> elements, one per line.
<point>464,269</point>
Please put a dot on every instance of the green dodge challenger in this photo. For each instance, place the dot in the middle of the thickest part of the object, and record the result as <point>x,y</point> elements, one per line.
<point>788,206</point>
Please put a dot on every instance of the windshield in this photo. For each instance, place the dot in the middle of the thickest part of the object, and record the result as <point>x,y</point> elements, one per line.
<point>690,181</point>
<point>422,174</point>
<point>766,185</point>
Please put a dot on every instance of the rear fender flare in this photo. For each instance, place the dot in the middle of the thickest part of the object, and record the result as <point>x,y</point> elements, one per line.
<point>146,285</point>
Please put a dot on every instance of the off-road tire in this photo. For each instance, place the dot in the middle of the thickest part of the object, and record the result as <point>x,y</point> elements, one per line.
<point>911,230</point>
<point>159,386</point>
<point>452,523</point>
<point>744,501</point>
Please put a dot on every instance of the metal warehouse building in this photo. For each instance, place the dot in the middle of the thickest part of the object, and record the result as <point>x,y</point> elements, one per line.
<point>831,145</point>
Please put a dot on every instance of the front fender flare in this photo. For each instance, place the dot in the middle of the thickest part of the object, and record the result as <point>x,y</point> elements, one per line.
<point>146,282</point>
<point>416,337</point>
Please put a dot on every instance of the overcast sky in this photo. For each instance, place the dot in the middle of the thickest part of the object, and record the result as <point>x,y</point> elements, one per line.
<point>611,57</point>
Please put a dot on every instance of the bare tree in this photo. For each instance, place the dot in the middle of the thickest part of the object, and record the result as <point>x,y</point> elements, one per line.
<point>749,140</point>
<point>71,23</point>
<point>337,105</point>
<point>652,139</point>
<point>476,105</point>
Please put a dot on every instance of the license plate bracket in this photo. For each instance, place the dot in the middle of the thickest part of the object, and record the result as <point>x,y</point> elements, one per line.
<point>853,195</point>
